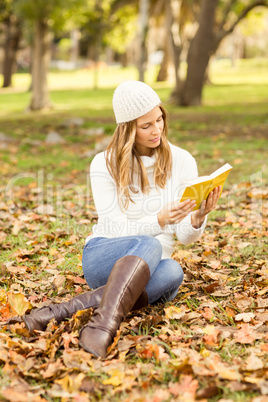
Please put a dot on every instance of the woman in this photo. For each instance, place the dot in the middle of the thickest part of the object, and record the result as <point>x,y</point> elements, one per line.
<point>136,186</point>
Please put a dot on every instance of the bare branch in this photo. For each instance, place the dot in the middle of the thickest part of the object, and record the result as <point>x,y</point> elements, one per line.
<point>226,13</point>
<point>223,33</point>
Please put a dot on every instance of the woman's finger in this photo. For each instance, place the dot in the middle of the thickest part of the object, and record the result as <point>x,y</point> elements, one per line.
<point>182,204</point>
<point>178,215</point>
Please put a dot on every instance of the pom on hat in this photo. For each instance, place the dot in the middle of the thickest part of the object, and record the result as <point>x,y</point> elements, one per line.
<point>133,99</point>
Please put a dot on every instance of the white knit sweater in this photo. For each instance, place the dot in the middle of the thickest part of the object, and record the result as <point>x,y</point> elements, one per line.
<point>141,217</point>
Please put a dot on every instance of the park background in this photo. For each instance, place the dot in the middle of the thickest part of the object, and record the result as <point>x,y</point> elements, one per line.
<point>60,62</point>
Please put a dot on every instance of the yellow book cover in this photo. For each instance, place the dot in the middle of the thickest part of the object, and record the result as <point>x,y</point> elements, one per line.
<point>198,189</point>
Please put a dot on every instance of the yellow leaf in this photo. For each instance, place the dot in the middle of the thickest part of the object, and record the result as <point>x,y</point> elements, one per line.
<point>116,378</point>
<point>71,383</point>
<point>205,353</point>
<point>253,380</point>
<point>210,330</point>
<point>174,312</point>
<point>181,254</point>
<point>3,296</point>
<point>18,303</point>
<point>53,251</point>
<point>228,374</point>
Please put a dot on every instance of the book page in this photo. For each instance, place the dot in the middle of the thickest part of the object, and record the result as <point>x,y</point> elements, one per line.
<point>200,190</point>
<point>197,180</point>
<point>220,180</point>
<point>221,170</point>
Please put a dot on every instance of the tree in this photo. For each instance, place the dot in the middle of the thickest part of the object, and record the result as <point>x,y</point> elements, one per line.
<point>45,16</point>
<point>12,35</point>
<point>178,15</point>
<point>143,31</point>
<point>217,20</point>
<point>107,23</point>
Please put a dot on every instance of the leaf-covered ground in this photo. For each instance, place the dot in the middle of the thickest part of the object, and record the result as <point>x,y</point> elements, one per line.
<point>209,344</point>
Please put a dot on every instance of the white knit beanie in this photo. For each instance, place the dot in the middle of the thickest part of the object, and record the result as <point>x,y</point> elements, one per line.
<point>133,99</point>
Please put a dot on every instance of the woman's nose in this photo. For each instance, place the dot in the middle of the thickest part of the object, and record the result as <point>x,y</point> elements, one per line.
<point>156,129</point>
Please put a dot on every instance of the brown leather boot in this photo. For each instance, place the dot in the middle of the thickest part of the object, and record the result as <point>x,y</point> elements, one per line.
<point>126,282</point>
<point>40,317</point>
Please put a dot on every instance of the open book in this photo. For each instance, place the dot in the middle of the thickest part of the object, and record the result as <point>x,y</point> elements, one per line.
<point>198,189</point>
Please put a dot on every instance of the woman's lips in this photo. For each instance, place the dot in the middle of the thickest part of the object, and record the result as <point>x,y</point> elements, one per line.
<point>156,139</point>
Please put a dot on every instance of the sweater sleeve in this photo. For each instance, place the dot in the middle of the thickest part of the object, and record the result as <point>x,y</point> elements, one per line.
<point>184,230</point>
<point>112,221</point>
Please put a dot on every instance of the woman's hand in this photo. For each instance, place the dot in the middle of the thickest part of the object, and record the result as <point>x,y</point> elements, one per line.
<point>207,206</point>
<point>175,212</point>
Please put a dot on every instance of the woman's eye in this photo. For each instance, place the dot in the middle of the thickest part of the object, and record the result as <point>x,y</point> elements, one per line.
<point>144,128</point>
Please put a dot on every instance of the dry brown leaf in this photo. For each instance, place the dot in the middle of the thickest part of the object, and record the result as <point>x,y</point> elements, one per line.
<point>53,369</point>
<point>59,281</point>
<point>245,317</point>
<point>245,334</point>
<point>3,237</point>
<point>185,390</point>
<point>253,363</point>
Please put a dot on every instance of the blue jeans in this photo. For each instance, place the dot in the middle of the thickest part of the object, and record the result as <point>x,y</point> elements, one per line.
<point>101,253</point>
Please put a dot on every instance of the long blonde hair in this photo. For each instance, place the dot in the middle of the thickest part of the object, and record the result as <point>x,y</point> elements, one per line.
<point>121,157</point>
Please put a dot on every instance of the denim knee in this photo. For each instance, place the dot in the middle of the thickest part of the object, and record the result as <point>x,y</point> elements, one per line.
<point>153,244</point>
<point>176,273</point>
<point>150,249</point>
<point>165,282</point>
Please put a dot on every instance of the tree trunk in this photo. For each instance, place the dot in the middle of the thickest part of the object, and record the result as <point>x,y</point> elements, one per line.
<point>143,30</point>
<point>41,54</point>
<point>200,50</point>
<point>75,34</point>
<point>163,71</point>
<point>173,12</point>
<point>13,35</point>
<point>168,49</point>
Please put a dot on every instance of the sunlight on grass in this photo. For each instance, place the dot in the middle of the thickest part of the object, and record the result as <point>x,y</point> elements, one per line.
<point>246,82</point>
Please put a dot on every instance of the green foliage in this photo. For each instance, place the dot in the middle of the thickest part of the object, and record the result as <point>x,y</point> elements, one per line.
<point>5,9</point>
<point>254,23</point>
<point>58,13</point>
<point>237,7</point>
<point>122,28</point>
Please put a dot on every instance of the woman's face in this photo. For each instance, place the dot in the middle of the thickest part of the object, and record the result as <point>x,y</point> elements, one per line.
<point>149,130</point>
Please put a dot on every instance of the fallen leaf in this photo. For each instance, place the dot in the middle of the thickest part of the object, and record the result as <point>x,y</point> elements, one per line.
<point>18,303</point>
<point>212,287</point>
<point>116,378</point>
<point>3,296</point>
<point>245,317</point>
<point>71,383</point>
<point>52,369</point>
<point>214,264</point>
<point>174,313</point>
<point>245,334</point>
<point>69,338</point>
<point>211,337</point>
<point>185,390</point>
<point>59,281</point>
<point>207,313</point>
<point>253,363</point>
<point>3,237</point>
